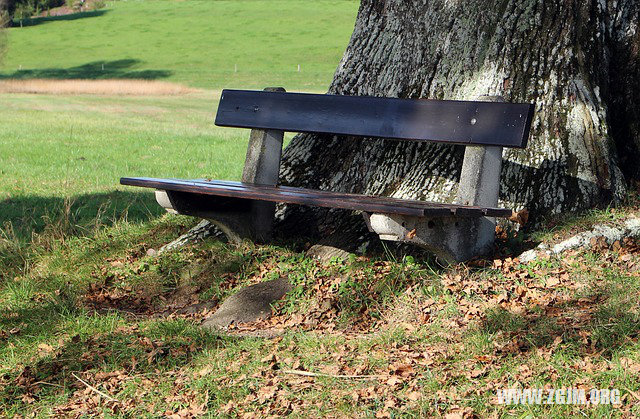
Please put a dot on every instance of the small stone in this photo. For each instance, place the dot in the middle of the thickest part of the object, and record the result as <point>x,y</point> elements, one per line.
<point>152,252</point>
<point>326,253</point>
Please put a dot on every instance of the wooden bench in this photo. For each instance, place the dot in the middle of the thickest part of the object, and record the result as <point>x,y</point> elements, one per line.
<point>457,231</point>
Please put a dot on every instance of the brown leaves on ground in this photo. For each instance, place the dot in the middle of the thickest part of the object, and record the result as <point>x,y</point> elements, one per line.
<point>529,311</point>
<point>282,387</point>
<point>520,217</point>
<point>112,289</point>
<point>75,364</point>
<point>187,402</point>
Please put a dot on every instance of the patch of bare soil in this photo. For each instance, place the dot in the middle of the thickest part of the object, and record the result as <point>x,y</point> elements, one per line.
<point>131,302</point>
<point>57,11</point>
<point>145,300</point>
<point>109,87</point>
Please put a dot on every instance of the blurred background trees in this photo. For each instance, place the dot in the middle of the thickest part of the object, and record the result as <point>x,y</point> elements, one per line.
<point>4,21</point>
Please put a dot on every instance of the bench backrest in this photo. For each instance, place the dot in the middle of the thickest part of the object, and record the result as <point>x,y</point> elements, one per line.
<point>447,121</point>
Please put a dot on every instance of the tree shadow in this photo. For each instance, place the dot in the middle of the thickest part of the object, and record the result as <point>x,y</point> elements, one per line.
<point>60,18</point>
<point>116,69</point>
<point>126,348</point>
<point>32,214</point>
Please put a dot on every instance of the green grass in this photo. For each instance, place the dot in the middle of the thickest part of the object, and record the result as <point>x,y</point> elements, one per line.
<point>77,147</point>
<point>78,292</point>
<point>369,319</point>
<point>200,43</point>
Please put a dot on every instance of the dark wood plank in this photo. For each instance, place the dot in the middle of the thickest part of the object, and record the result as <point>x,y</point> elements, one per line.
<point>470,210</point>
<point>374,204</point>
<point>458,122</point>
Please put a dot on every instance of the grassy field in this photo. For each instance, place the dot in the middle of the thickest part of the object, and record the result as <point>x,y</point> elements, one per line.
<point>200,43</point>
<point>77,147</point>
<point>92,324</point>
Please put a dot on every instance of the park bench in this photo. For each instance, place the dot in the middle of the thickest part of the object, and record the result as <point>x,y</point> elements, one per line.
<point>457,231</point>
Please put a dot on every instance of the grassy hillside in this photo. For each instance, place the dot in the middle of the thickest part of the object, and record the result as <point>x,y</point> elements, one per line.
<point>75,147</point>
<point>80,298</point>
<point>200,43</point>
<point>88,306</point>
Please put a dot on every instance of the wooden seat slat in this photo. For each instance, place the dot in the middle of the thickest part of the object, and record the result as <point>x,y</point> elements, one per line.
<point>471,210</point>
<point>303,196</point>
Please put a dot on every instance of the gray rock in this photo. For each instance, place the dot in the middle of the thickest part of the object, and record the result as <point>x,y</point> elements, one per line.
<point>249,304</point>
<point>325,253</point>
<point>633,225</point>
<point>336,245</point>
<point>528,256</point>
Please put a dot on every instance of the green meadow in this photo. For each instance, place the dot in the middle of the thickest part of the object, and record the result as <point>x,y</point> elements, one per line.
<point>210,43</point>
<point>93,322</point>
<point>57,146</point>
<point>77,147</point>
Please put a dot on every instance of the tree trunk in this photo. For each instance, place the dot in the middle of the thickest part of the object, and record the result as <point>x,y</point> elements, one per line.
<point>577,60</point>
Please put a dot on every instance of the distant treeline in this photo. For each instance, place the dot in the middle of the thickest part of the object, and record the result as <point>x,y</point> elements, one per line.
<point>17,10</point>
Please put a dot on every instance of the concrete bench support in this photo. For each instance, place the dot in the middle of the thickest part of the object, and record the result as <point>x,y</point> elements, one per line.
<point>261,167</point>
<point>455,239</point>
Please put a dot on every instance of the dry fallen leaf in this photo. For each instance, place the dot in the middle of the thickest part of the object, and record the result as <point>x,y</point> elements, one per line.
<point>414,396</point>
<point>521,217</point>
<point>205,371</point>
<point>552,281</point>
<point>403,370</point>
<point>44,349</point>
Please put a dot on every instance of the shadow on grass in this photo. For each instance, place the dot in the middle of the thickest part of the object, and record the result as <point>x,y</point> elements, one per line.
<point>30,225</point>
<point>74,216</point>
<point>61,18</point>
<point>92,343</point>
<point>96,70</point>
<point>603,322</point>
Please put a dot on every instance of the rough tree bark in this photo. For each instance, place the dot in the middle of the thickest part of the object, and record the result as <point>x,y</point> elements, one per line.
<point>576,59</point>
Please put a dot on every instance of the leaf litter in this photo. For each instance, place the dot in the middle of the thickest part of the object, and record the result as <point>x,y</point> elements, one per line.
<point>420,360</point>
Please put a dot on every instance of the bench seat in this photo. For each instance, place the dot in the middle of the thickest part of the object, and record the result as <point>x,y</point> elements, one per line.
<point>291,195</point>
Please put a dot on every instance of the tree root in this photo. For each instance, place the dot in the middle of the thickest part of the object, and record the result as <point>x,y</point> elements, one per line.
<point>630,228</point>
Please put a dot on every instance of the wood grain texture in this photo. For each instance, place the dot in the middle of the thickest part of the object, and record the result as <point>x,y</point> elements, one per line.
<point>291,195</point>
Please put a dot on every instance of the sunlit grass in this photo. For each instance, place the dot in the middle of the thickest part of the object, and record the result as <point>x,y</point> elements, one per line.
<point>211,44</point>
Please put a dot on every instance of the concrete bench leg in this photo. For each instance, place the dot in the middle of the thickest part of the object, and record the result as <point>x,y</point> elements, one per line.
<point>455,239</point>
<point>262,167</point>
<point>235,225</point>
